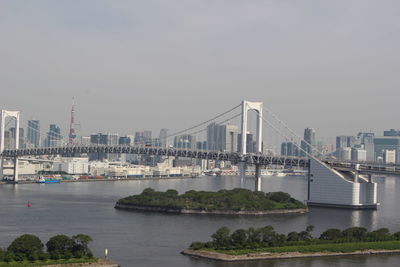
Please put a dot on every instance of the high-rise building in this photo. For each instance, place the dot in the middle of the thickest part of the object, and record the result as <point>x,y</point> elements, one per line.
<point>289,149</point>
<point>163,137</point>
<point>54,136</point>
<point>143,138</point>
<point>104,139</point>
<point>201,145</point>
<point>308,142</point>
<point>33,133</point>
<point>125,140</point>
<point>185,141</point>
<point>391,132</point>
<point>381,144</point>
<point>367,141</point>
<point>284,149</point>
<point>222,137</point>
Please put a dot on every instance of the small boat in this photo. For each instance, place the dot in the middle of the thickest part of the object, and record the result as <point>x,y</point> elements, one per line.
<point>48,181</point>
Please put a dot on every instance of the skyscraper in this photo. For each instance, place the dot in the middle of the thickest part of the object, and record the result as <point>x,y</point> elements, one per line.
<point>308,143</point>
<point>222,137</point>
<point>33,133</point>
<point>53,136</point>
<point>163,137</point>
<point>185,141</point>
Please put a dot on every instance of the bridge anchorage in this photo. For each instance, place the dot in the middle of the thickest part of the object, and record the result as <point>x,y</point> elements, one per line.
<point>331,183</point>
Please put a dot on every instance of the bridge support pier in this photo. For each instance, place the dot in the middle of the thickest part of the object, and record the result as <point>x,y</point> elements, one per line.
<point>1,169</point>
<point>242,170</point>
<point>16,169</point>
<point>257,182</point>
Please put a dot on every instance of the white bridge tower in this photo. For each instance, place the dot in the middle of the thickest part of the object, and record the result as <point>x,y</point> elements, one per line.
<point>4,115</point>
<point>258,107</point>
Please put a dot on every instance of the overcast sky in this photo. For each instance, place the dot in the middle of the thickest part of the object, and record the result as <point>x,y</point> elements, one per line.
<point>133,65</point>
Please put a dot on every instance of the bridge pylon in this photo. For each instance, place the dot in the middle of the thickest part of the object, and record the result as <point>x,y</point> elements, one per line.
<point>4,114</point>
<point>246,107</point>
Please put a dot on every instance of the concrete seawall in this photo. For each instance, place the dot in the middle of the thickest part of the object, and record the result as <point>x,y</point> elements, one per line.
<point>216,212</point>
<point>100,263</point>
<point>209,255</point>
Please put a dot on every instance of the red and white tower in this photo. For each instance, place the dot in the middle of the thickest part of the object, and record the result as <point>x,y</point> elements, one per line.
<point>72,132</point>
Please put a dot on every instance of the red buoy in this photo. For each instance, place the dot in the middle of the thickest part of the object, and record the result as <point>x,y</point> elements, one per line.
<point>29,204</point>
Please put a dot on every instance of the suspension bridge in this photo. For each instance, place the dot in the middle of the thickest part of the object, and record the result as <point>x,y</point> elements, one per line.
<point>330,182</point>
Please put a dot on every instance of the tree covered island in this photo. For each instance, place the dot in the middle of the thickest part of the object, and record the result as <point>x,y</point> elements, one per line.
<point>265,243</point>
<point>236,201</point>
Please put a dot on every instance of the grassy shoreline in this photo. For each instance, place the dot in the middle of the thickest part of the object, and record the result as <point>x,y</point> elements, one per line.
<point>327,247</point>
<point>288,252</point>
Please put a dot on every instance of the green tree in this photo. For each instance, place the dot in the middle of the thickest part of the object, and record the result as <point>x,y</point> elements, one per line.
<point>81,246</point>
<point>293,236</point>
<point>331,234</point>
<point>221,237</point>
<point>60,244</point>
<point>26,245</point>
<point>355,233</point>
<point>239,238</point>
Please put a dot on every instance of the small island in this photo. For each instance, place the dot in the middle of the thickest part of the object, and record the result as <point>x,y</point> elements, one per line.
<point>264,243</point>
<point>228,202</point>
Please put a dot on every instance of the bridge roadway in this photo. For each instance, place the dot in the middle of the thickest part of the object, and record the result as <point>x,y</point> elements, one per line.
<point>234,157</point>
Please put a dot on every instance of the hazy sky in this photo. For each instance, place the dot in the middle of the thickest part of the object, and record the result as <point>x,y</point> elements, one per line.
<point>132,65</point>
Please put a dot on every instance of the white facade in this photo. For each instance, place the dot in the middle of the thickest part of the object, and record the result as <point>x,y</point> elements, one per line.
<point>358,154</point>
<point>72,165</point>
<point>328,187</point>
<point>345,153</point>
<point>389,156</point>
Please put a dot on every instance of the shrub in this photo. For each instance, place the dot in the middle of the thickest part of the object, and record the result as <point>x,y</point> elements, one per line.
<point>9,256</point>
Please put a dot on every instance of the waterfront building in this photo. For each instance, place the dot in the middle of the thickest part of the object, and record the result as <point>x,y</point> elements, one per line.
<point>33,133</point>
<point>72,165</point>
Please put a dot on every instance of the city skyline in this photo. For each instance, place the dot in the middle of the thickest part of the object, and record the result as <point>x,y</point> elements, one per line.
<point>104,56</point>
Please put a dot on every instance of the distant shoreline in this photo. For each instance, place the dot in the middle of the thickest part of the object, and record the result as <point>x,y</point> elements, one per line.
<point>107,180</point>
<point>214,212</point>
<point>211,255</point>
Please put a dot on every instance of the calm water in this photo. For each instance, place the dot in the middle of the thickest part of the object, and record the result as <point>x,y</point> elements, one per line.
<point>152,239</point>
